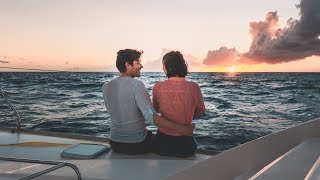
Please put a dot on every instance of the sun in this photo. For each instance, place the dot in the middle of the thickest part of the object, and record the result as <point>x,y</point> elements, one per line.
<point>232,69</point>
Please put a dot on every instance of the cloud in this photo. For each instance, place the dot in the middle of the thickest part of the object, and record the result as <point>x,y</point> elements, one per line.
<point>7,59</point>
<point>223,56</point>
<point>5,62</point>
<point>103,68</point>
<point>193,63</point>
<point>272,44</point>
<point>156,64</point>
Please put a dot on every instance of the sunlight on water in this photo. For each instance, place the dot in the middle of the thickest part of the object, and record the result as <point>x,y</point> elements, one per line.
<point>231,74</point>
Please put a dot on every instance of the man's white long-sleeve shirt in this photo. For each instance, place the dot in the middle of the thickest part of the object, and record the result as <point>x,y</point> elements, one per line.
<point>129,105</point>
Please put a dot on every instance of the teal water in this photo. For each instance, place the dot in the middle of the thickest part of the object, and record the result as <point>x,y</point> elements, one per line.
<point>240,108</point>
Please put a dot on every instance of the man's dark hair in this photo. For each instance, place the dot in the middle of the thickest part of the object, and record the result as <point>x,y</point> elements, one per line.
<point>175,64</point>
<point>126,55</point>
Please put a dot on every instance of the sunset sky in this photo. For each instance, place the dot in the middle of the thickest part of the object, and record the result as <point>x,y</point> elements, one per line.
<point>229,35</point>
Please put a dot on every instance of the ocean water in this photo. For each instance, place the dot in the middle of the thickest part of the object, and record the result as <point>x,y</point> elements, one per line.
<point>239,107</point>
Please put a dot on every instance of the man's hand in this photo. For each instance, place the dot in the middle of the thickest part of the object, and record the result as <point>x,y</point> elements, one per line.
<point>161,122</point>
<point>187,129</point>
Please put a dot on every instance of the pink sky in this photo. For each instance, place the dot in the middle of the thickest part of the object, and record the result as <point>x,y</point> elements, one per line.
<point>80,35</point>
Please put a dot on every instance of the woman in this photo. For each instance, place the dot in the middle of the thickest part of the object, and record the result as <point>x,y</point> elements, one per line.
<point>178,100</point>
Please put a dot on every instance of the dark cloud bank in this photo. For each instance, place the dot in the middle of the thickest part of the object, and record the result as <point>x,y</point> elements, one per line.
<point>272,44</point>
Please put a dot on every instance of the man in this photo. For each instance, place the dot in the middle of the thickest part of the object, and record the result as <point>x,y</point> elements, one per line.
<point>129,105</point>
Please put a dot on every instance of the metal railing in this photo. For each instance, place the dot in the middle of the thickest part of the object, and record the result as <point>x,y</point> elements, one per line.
<point>18,120</point>
<point>57,165</point>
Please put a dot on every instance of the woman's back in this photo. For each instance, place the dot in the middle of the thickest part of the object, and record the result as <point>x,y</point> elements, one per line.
<point>177,100</point>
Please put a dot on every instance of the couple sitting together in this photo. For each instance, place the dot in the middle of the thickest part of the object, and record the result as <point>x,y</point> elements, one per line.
<point>129,105</point>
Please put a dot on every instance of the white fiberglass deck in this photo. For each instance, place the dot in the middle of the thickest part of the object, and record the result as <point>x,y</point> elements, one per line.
<point>290,154</point>
<point>108,166</point>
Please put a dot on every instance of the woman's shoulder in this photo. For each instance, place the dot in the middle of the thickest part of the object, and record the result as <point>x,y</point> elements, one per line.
<point>192,83</point>
<point>158,84</point>
<point>194,86</point>
<point>161,83</point>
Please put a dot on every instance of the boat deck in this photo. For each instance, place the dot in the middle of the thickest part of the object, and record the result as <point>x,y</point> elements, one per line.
<point>110,165</point>
<point>290,154</point>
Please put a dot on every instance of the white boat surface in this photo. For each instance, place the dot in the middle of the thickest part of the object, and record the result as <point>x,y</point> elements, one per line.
<point>29,154</point>
<point>47,146</point>
<point>290,154</point>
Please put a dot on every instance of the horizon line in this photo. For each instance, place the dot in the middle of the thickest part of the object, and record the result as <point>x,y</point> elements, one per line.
<point>59,71</point>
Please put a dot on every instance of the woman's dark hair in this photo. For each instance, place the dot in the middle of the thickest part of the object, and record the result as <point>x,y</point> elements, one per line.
<point>175,64</point>
<point>126,55</point>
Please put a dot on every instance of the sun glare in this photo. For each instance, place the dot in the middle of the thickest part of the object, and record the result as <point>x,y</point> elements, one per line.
<point>232,69</point>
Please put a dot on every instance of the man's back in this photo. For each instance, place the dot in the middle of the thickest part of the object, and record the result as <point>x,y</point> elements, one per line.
<point>124,97</point>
